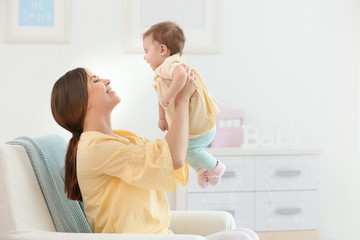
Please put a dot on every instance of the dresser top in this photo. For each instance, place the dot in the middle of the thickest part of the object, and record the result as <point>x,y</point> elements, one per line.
<point>263,151</point>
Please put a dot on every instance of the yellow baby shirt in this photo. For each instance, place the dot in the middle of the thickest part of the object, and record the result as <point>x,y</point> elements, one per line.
<point>124,180</point>
<point>203,106</point>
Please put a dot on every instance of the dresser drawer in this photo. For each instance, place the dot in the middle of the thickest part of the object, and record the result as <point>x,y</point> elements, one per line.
<point>239,176</point>
<point>290,210</point>
<point>240,205</point>
<point>292,172</point>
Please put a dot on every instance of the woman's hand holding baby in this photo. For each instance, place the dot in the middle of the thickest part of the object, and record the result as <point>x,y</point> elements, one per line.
<point>190,85</point>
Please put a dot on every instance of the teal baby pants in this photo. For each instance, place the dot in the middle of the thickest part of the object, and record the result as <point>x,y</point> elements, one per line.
<point>197,156</point>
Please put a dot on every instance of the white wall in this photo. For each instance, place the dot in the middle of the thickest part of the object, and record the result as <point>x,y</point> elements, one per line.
<point>286,63</point>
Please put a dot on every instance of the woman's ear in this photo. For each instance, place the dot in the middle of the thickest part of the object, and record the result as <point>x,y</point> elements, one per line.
<point>164,50</point>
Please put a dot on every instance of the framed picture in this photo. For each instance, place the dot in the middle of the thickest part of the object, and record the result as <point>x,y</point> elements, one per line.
<point>36,21</point>
<point>197,18</point>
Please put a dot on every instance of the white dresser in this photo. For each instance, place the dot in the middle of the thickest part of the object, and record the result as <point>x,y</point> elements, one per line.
<point>273,191</point>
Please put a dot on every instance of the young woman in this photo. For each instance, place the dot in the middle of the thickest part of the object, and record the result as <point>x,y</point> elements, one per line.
<point>121,178</point>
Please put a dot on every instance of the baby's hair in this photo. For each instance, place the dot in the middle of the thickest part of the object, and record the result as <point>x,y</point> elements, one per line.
<point>168,33</point>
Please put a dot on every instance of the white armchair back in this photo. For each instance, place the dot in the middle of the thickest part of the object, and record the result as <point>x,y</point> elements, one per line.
<point>22,205</point>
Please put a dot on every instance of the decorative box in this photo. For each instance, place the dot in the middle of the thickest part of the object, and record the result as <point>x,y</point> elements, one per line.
<point>229,132</point>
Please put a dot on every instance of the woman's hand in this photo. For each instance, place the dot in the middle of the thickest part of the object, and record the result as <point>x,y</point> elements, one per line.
<point>190,85</point>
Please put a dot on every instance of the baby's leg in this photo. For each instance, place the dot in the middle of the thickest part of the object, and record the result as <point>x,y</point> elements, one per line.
<point>197,156</point>
<point>203,162</point>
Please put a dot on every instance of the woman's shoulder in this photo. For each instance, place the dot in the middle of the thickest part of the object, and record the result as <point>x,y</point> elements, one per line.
<point>124,133</point>
<point>94,140</point>
<point>131,137</point>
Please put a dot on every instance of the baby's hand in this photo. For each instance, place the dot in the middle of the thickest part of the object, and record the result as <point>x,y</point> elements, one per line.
<point>165,100</point>
<point>163,125</point>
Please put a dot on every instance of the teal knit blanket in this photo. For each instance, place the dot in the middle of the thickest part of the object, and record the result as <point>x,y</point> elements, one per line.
<point>47,157</point>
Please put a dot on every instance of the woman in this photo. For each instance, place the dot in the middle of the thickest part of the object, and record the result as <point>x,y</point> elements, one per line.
<point>123,178</point>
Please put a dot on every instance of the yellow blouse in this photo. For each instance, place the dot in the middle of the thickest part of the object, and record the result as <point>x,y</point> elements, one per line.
<point>124,180</point>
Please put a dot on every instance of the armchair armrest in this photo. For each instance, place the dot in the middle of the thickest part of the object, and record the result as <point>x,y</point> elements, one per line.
<point>201,222</point>
<point>188,225</point>
<point>44,235</point>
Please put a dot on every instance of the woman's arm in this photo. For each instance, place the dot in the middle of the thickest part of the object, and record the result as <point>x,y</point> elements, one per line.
<point>178,134</point>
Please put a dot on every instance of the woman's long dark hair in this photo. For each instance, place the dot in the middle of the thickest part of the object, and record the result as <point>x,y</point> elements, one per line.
<point>69,100</point>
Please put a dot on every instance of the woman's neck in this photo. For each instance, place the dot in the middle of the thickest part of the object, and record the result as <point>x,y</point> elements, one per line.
<point>99,123</point>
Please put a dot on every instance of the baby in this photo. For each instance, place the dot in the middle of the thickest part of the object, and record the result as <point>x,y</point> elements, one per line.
<point>163,45</point>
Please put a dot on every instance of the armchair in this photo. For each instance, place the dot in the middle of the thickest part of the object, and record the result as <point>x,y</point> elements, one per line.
<point>25,215</point>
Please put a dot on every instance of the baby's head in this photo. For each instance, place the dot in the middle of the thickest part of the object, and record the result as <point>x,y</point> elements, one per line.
<point>169,34</point>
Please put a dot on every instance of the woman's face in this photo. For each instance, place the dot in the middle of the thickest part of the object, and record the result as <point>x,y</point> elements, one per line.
<point>100,95</point>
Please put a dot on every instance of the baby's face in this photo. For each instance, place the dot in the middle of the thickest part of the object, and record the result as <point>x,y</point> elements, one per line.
<point>153,52</point>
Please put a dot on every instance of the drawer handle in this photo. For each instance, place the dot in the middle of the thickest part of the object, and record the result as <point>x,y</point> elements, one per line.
<point>228,174</point>
<point>288,211</point>
<point>288,173</point>
<point>232,212</point>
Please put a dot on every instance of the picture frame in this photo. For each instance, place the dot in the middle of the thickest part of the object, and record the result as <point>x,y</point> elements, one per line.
<point>36,21</point>
<point>200,23</point>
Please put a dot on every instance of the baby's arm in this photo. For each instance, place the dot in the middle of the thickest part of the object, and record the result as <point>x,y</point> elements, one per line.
<point>163,125</point>
<point>177,83</point>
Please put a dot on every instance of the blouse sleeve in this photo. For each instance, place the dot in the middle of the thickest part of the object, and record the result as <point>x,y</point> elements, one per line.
<point>144,164</point>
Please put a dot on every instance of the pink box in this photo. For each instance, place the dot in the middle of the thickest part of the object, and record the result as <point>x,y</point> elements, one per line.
<point>229,132</point>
